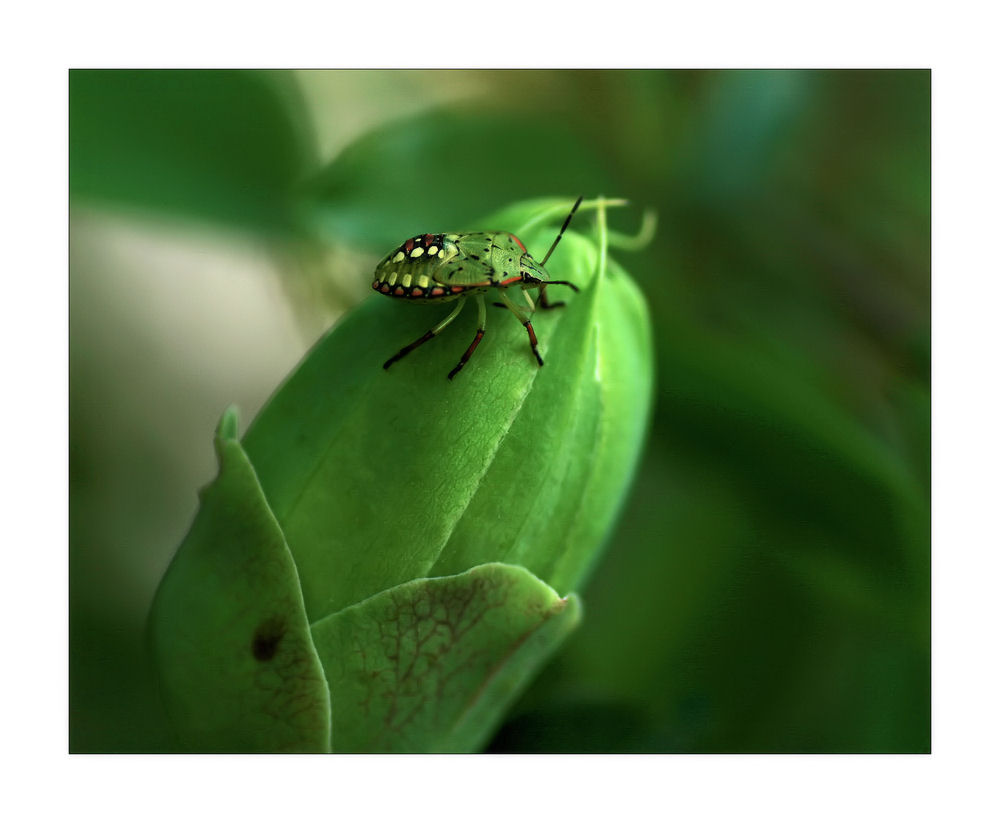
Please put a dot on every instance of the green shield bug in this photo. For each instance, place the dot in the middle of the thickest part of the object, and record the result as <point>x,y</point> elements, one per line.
<point>436,268</point>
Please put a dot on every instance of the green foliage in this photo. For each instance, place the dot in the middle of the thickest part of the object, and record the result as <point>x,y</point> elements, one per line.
<point>227,146</point>
<point>774,560</point>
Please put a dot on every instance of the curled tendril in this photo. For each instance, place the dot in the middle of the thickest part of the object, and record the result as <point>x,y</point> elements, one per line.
<point>640,239</point>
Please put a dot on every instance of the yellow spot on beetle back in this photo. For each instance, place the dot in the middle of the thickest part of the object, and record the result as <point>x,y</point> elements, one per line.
<point>392,279</point>
<point>399,256</point>
<point>416,252</point>
<point>407,279</point>
<point>423,281</point>
<point>432,250</point>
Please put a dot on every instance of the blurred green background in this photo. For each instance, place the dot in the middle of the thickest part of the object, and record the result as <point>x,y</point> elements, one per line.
<point>768,587</point>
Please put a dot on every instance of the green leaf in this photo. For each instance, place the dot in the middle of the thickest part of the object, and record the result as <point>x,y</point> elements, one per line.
<point>227,146</point>
<point>379,477</point>
<point>238,669</point>
<point>431,665</point>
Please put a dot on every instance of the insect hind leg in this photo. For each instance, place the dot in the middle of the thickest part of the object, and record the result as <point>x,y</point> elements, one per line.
<point>427,336</point>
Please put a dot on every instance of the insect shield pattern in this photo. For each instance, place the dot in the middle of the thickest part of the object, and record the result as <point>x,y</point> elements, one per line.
<point>407,271</point>
<point>436,268</point>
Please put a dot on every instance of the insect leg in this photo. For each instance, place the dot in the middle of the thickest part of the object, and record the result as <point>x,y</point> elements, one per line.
<point>480,331</point>
<point>434,331</point>
<point>527,298</point>
<point>526,322</point>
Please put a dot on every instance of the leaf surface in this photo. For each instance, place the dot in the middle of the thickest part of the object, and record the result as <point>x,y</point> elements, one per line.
<point>378,477</point>
<point>431,665</point>
<point>238,669</point>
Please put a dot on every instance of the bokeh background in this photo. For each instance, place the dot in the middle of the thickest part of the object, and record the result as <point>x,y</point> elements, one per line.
<point>768,587</point>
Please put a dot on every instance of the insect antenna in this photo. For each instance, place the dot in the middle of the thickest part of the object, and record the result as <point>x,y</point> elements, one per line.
<point>569,217</point>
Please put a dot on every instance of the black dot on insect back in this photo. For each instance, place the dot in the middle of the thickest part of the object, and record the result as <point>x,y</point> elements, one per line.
<point>266,639</point>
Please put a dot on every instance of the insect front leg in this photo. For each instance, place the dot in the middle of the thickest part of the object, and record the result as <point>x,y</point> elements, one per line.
<point>480,331</point>
<point>543,300</point>
<point>432,333</point>
<point>526,322</point>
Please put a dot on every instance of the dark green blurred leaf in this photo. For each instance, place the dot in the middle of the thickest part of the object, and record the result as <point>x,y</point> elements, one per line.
<point>578,727</point>
<point>435,171</point>
<point>754,636</point>
<point>737,141</point>
<point>226,146</point>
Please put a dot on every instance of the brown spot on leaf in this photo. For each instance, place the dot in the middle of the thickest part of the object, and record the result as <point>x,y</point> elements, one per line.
<point>266,639</point>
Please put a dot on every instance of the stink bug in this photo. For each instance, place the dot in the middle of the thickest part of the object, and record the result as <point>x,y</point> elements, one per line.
<point>436,268</point>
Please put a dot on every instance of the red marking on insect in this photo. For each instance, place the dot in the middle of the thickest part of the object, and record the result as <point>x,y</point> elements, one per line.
<point>408,245</point>
<point>385,288</point>
<point>437,291</point>
<point>398,291</point>
<point>457,289</point>
<point>510,280</point>
<point>428,238</point>
<point>520,244</point>
<point>375,284</point>
<point>417,292</point>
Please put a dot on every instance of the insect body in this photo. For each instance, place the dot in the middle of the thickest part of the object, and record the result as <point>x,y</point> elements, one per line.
<point>436,268</point>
